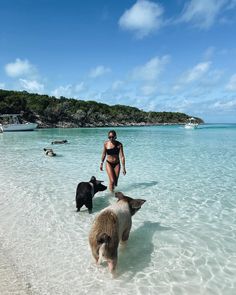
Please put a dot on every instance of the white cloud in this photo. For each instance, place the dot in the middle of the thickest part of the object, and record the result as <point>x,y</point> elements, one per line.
<point>148,89</point>
<point>152,69</point>
<point>213,78</point>
<point>2,85</point>
<point>225,105</point>
<point>196,72</point>
<point>69,90</point>
<point>232,83</point>
<point>80,87</point>
<point>32,85</point>
<point>209,52</point>
<point>117,85</point>
<point>99,71</point>
<point>143,18</point>
<point>20,68</point>
<point>202,13</point>
<point>65,91</point>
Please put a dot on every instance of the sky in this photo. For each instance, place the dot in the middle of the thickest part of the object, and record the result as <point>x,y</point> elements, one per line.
<point>177,55</point>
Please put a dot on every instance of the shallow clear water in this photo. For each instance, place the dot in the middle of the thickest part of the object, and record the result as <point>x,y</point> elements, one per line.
<point>183,240</point>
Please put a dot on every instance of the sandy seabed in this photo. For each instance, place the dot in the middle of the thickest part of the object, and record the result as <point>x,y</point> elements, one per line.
<point>10,281</point>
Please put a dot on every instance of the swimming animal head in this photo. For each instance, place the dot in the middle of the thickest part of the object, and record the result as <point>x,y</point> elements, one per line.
<point>49,152</point>
<point>59,141</point>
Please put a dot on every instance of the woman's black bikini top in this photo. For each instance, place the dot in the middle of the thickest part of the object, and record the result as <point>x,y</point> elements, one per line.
<point>114,151</point>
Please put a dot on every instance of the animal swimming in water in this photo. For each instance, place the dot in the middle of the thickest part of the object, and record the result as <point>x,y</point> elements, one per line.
<point>49,152</point>
<point>59,141</point>
<point>111,227</point>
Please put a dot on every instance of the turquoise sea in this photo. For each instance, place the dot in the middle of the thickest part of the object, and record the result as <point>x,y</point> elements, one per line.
<point>183,240</point>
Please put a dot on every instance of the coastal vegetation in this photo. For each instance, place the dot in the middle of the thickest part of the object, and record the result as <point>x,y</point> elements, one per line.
<point>49,111</point>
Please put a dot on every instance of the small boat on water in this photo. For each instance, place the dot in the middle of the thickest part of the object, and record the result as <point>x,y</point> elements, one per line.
<point>191,124</point>
<point>12,122</point>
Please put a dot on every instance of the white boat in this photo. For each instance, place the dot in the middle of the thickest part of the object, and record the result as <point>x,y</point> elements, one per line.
<point>12,122</point>
<point>191,124</point>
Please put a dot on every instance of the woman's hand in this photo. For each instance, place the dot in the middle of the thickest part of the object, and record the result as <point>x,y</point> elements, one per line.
<point>124,171</point>
<point>101,167</point>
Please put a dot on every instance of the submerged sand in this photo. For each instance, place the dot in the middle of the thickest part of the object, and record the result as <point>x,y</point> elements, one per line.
<point>11,282</point>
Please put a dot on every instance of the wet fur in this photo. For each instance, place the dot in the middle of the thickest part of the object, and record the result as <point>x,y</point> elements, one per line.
<point>59,141</point>
<point>85,192</point>
<point>105,236</point>
<point>112,226</point>
<point>49,152</point>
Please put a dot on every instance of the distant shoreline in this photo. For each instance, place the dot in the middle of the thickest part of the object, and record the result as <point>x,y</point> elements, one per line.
<point>111,125</point>
<point>50,112</point>
<point>127,125</point>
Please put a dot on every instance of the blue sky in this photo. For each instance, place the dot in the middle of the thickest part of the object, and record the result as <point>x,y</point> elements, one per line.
<point>155,55</point>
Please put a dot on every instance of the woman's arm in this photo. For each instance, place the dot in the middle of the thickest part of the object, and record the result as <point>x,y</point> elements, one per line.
<point>122,156</point>
<point>103,157</point>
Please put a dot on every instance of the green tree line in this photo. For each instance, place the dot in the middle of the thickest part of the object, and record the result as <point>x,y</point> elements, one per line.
<point>49,111</point>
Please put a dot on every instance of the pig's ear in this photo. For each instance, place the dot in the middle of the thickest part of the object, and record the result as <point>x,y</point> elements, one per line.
<point>119,195</point>
<point>137,203</point>
<point>99,181</point>
<point>93,179</point>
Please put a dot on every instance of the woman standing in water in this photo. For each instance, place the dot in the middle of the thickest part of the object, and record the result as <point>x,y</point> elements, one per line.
<point>113,150</point>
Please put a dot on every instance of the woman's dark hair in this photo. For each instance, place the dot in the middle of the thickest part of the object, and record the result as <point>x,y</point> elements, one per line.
<point>113,132</point>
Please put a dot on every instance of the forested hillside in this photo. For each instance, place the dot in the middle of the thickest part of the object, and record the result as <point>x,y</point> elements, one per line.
<point>66,112</point>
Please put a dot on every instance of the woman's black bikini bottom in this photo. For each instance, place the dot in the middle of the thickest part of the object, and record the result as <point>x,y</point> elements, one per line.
<point>113,165</point>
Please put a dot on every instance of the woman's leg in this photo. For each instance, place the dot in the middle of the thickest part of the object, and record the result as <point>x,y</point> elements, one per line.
<point>117,173</point>
<point>112,176</point>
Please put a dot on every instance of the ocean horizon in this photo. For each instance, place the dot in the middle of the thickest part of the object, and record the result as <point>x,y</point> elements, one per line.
<point>182,240</point>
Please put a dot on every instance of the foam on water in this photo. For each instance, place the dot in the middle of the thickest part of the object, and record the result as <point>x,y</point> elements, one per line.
<point>182,240</point>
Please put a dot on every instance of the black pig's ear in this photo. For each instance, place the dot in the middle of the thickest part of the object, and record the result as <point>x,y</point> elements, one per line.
<point>119,195</point>
<point>137,203</point>
<point>93,179</point>
<point>99,181</point>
